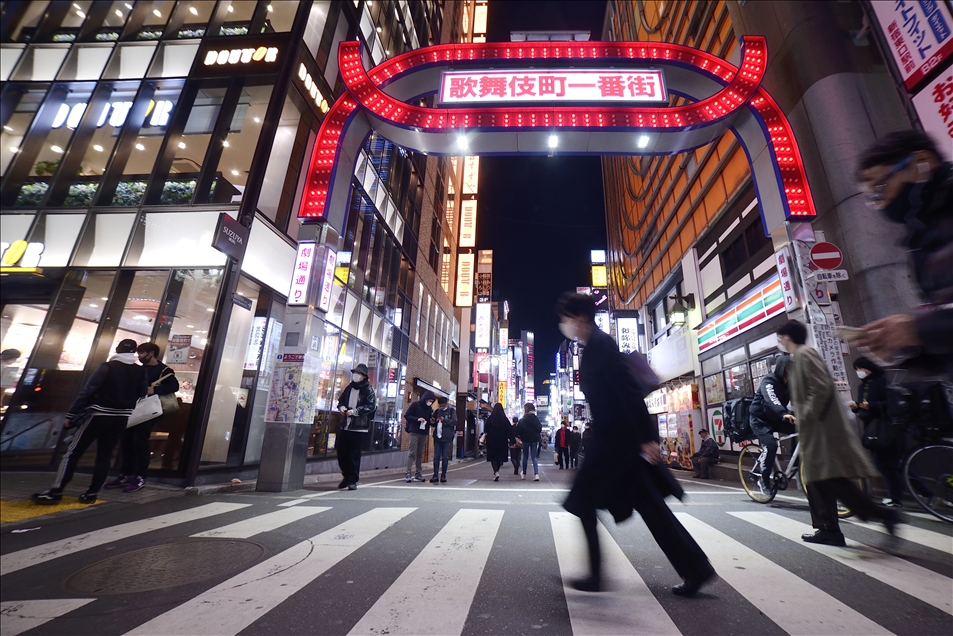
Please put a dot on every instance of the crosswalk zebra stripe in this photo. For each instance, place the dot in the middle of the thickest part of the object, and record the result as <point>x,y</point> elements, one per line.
<point>241,600</point>
<point>21,616</point>
<point>626,607</point>
<point>293,502</point>
<point>926,538</point>
<point>801,608</point>
<point>929,587</point>
<point>262,523</point>
<point>48,551</point>
<point>447,571</point>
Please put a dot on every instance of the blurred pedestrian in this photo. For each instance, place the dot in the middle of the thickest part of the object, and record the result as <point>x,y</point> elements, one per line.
<point>516,447</point>
<point>909,182</point>
<point>882,436</point>
<point>831,454</point>
<point>543,444</point>
<point>563,437</point>
<point>100,412</point>
<point>416,421</point>
<point>706,456</point>
<point>134,443</point>
<point>498,439</point>
<point>619,475</point>
<point>358,403</point>
<point>574,441</point>
<point>444,430</point>
<point>530,430</point>
<point>769,415</point>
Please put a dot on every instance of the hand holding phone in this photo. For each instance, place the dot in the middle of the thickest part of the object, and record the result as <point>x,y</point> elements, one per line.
<point>850,333</point>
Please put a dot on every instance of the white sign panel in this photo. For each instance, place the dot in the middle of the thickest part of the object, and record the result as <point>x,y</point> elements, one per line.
<point>256,339</point>
<point>831,275</point>
<point>327,279</point>
<point>590,85</point>
<point>301,276</point>
<point>465,280</point>
<point>602,321</point>
<point>829,346</point>
<point>627,332</point>
<point>468,212</point>
<point>786,265</point>
<point>934,105</point>
<point>919,34</point>
<point>471,174</point>
<point>482,326</point>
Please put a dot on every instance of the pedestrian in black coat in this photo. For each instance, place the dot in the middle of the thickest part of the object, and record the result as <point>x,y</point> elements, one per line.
<point>516,447</point>
<point>881,437</point>
<point>499,436</point>
<point>619,475</point>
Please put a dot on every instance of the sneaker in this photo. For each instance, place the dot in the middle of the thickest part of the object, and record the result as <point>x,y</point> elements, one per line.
<point>352,486</point>
<point>892,503</point>
<point>135,484</point>
<point>443,480</point>
<point>408,479</point>
<point>433,480</point>
<point>87,498</point>
<point>47,497</point>
<point>523,476</point>
<point>536,478</point>
<point>496,478</point>
<point>420,478</point>
<point>118,482</point>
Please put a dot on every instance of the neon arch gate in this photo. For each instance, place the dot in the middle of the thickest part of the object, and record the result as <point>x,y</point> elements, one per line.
<point>722,97</point>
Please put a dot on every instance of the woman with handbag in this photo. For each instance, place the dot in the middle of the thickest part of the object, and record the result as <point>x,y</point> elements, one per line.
<point>881,436</point>
<point>134,443</point>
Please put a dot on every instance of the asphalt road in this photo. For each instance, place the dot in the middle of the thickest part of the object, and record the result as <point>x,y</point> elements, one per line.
<point>467,557</point>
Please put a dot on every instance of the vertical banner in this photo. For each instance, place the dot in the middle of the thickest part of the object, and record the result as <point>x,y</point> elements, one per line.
<point>327,278</point>
<point>627,333</point>
<point>465,270</point>
<point>483,319</point>
<point>301,276</point>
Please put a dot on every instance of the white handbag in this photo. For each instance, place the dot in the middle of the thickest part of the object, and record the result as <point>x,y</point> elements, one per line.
<point>147,408</point>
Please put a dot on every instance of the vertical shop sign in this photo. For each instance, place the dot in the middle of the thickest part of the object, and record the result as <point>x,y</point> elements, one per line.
<point>482,326</point>
<point>231,237</point>
<point>464,295</point>
<point>471,175</point>
<point>327,279</point>
<point>627,333</point>
<point>501,393</point>
<point>934,105</point>
<point>919,34</point>
<point>468,213</point>
<point>301,276</point>
<point>786,265</point>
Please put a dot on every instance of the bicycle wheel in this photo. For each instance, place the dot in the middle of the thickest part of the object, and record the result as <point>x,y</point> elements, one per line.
<point>928,473</point>
<point>750,472</point>
<point>843,512</point>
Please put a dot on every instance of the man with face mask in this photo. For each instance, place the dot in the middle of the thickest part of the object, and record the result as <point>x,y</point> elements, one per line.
<point>357,404</point>
<point>909,183</point>
<point>416,421</point>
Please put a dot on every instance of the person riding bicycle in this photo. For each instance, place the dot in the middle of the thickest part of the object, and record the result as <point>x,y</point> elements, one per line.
<point>769,414</point>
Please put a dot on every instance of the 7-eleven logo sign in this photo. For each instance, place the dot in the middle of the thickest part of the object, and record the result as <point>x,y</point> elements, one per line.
<point>718,427</point>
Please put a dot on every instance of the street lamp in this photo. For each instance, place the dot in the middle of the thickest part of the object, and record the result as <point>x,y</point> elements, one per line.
<point>678,314</point>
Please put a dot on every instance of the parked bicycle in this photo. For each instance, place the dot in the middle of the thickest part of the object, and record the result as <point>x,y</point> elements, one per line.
<point>928,474</point>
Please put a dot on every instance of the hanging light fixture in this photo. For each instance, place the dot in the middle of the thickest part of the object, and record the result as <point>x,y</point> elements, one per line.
<point>678,314</point>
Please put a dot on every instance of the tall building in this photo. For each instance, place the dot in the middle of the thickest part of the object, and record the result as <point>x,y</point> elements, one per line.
<point>129,130</point>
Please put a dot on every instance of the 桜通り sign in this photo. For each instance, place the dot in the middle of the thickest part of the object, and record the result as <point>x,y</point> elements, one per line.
<point>591,85</point>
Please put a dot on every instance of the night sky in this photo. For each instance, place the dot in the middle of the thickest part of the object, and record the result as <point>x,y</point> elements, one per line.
<point>540,215</point>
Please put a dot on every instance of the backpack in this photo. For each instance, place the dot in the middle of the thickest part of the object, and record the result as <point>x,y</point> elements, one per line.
<point>737,425</point>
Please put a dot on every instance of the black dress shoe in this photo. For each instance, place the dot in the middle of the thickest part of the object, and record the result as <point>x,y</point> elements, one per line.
<point>352,486</point>
<point>588,584</point>
<point>825,537</point>
<point>343,484</point>
<point>690,586</point>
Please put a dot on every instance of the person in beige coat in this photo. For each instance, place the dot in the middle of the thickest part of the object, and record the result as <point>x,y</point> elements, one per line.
<point>832,456</point>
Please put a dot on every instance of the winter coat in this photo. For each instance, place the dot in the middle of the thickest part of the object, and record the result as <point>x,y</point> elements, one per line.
<point>563,438</point>
<point>769,405</point>
<point>419,409</point>
<point>830,447</point>
<point>499,436</point>
<point>708,449</point>
<point>113,389</point>
<point>529,428</point>
<point>614,476</point>
<point>360,422</point>
<point>448,428</point>
<point>169,385</point>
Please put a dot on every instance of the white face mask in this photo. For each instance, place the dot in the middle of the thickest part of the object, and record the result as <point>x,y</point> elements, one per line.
<point>356,377</point>
<point>568,330</point>
<point>429,403</point>
<point>781,347</point>
<point>862,374</point>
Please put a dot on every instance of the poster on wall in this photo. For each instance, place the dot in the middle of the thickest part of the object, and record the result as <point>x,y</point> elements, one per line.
<point>178,352</point>
<point>716,426</point>
<point>919,35</point>
<point>715,389</point>
<point>934,105</point>
<point>663,426</point>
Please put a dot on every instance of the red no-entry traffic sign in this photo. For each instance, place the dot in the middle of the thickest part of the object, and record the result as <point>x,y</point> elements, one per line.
<point>826,256</point>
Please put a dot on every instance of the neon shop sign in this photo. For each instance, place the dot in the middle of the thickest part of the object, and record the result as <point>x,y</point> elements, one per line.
<point>114,113</point>
<point>20,256</point>
<point>241,56</point>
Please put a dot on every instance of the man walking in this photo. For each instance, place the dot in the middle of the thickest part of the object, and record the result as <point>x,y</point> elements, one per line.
<point>100,410</point>
<point>563,437</point>
<point>357,403</point>
<point>706,456</point>
<point>574,440</point>
<point>444,430</point>
<point>416,421</point>
<point>832,456</point>
<point>617,474</point>
<point>529,430</point>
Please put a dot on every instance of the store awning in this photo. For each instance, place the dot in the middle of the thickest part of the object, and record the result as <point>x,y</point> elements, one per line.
<point>429,387</point>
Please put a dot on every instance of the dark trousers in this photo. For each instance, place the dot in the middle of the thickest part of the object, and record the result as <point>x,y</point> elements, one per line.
<point>563,454</point>
<point>516,453</point>
<point>679,547</point>
<point>770,442</point>
<point>134,444</point>
<point>105,430</point>
<point>573,456</point>
<point>496,465</point>
<point>348,445</point>
<point>822,497</point>
<point>441,455</point>
<point>888,463</point>
<point>703,466</point>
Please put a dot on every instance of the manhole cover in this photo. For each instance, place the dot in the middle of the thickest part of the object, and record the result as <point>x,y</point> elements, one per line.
<point>163,566</point>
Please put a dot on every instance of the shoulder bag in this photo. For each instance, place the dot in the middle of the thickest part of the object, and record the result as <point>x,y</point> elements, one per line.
<point>153,406</point>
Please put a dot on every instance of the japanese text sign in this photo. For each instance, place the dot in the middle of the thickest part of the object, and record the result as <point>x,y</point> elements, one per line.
<point>327,279</point>
<point>919,34</point>
<point>591,85</point>
<point>934,105</point>
<point>786,267</point>
<point>627,332</point>
<point>482,340</point>
<point>301,276</point>
<point>465,269</point>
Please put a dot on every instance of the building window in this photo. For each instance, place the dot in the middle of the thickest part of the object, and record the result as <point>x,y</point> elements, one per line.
<point>743,248</point>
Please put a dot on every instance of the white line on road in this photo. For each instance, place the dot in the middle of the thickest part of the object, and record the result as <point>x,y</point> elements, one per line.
<point>935,540</point>
<point>21,616</point>
<point>262,523</point>
<point>293,502</point>
<point>626,607</point>
<point>433,489</point>
<point>232,606</point>
<point>794,604</point>
<point>48,551</point>
<point>446,572</point>
<point>918,582</point>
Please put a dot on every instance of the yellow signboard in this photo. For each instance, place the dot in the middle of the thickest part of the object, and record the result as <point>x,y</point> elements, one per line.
<point>599,276</point>
<point>501,393</point>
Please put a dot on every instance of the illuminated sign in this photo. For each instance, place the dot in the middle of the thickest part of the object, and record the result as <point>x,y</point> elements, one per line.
<point>267,54</point>
<point>599,277</point>
<point>602,321</point>
<point>483,320</point>
<point>786,268</point>
<point>755,308</point>
<point>627,333</point>
<point>593,85</point>
<point>301,276</point>
<point>597,257</point>
<point>919,34</point>
<point>501,393</point>
<point>114,113</point>
<point>327,279</point>
<point>20,257</point>
<point>311,88</point>
<point>464,295</point>
<point>468,211</point>
<point>471,175</point>
<point>504,339</point>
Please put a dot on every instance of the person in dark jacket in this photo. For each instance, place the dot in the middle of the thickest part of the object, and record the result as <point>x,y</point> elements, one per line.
<point>357,403</point>
<point>563,437</point>
<point>444,422</point>
<point>516,448</point>
<point>530,430</point>
<point>416,420</point>
<point>908,181</point>
<point>100,411</point>
<point>134,444</point>
<point>880,437</point>
<point>498,439</point>
<point>623,467</point>
<point>705,456</point>
<point>769,414</point>
<point>574,447</point>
